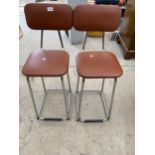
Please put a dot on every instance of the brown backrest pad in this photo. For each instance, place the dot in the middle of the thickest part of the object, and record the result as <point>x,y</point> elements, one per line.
<point>48,16</point>
<point>96,17</point>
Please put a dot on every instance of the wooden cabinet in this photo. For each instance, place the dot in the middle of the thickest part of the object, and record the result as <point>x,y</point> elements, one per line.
<point>126,38</point>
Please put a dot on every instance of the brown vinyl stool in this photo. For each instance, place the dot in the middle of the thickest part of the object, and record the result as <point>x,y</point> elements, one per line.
<point>96,64</point>
<point>48,63</point>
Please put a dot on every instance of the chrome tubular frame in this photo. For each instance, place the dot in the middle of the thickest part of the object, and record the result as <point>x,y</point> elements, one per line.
<point>41,39</point>
<point>67,99</point>
<point>32,97</point>
<point>112,98</point>
<point>84,43</point>
<point>103,41</point>
<point>79,100</point>
<point>42,35</point>
<point>42,78</point>
<point>79,95</point>
<point>61,42</point>
<point>85,39</point>
<point>69,84</point>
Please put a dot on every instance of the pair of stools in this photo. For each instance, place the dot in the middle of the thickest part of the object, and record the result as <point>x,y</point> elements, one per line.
<point>55,63</point>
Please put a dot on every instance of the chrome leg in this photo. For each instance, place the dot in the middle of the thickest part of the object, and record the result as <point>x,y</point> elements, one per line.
<point>103,101</point>
<point>112,98</point>
<point>69,84</point>
<point>102,40</point>
<point>103,104</point>
<point>84,43</point>
<point>41,41</point>
<point>69,93</point>
<point>31,79</point>
<point>80,99</point>
<point>77,85</point>
<point>32,96</point>
<point>60,39</point>
<point>65,97</point>
<point>43,84</point>
<point>102,85</point>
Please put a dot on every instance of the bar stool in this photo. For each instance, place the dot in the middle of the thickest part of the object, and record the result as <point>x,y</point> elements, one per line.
<point>48,63</point>
<point>96,64</point>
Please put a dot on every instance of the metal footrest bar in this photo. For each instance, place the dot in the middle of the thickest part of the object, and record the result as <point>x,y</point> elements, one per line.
<point>52,119</point>
<point>94,120</point>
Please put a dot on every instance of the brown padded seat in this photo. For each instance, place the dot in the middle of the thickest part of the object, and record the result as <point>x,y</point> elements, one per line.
<point>43,16</point>
<point>47,63</point>
<point>96,17</point>
<point>98,65</point>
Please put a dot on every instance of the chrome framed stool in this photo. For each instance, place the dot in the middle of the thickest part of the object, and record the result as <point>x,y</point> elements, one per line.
<point>96,64</point>
<point>48,63</point>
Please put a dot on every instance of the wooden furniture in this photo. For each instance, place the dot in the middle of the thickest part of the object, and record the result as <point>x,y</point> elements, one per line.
<point>127,31</point>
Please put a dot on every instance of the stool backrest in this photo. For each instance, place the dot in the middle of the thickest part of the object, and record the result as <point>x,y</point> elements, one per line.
<point>41,16</point>
<point>96,17</point>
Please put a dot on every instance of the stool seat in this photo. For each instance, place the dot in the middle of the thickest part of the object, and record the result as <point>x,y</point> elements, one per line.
<point>47,63</point>
<point>98,65</point>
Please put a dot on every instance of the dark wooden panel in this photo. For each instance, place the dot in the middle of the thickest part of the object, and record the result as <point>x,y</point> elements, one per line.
<point>127,27</point>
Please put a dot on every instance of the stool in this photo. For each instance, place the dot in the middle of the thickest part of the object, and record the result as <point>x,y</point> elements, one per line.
<point>48,63</point>
<point>96,64</point>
